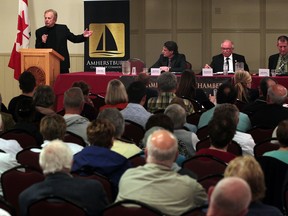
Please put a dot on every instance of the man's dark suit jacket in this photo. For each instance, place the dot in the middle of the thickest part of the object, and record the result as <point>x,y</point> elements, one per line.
<point>86,193</point>
<point>273,59</point>
<point>178,63</point>
<point>57,40</point>
<point>218,61</point>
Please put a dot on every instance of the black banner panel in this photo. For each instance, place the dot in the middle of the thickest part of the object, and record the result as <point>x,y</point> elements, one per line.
<point>109,44</point>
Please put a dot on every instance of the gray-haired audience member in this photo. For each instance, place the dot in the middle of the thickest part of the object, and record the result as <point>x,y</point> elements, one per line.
<point>115,117</point>
<point>73,104</point>
<point>167,85</point>
<point>156,184</point>
<point>178,116</point>
<point>273,112</point>
<point>230,197</point>
<point>56,160</point>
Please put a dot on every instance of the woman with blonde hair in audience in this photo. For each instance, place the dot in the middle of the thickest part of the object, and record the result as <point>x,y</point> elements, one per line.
<point>242,82</point>
<point>116,95</point>
<point>249,169</point>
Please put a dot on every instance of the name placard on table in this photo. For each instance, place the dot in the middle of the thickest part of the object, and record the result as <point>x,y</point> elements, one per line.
<point>100,70</point>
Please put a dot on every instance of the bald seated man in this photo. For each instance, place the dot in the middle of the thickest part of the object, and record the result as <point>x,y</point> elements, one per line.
<point>273,112</point>
<point>156,184</point>
<point>230,197</point>
<point>226,55</point>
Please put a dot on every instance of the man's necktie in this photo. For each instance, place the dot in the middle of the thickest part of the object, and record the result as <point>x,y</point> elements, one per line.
<point>227,62</point>
<point>282,65</point>
<point>169,62</point>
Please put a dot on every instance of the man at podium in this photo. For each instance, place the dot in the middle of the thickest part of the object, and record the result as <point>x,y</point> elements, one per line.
<point>55,36</point>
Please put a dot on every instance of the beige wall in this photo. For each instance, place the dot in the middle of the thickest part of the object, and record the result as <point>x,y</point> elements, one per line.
<point>198,26</point>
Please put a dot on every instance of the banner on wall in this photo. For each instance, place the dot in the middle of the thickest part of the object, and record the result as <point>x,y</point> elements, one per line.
<point>109,44</point>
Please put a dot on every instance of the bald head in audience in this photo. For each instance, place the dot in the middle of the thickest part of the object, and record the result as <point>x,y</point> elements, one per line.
<point>277,94</point>
<point>230,197</point>
<point>162,148</point>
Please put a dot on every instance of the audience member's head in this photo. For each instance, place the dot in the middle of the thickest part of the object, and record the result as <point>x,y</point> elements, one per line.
<point>266,83</point>
<point>83,86</point>
<point>221,131</point>
<point>25,110</point>
<point>73,101</point>
<point>230,197</point>
<point>115,117</point>
<point>44,96</point>
<point>171,46</point>
<point>56,157</point>
<point>144,78</point>
<point>162,148</point>
<point>242,80</point>
<point>187,84</point>
<point>53,127</point>
<point>116,93</point>
<point>281,132</point>
<point>167,82</point>
<point>160,120</point>
<point>226,110</point>
<point>137,92</point>
<point>249,169</point>
<point>100,132</point>
<point>177,114</point>
<point>277,94</point>
<point>27,82</point>
<point>226,93</point>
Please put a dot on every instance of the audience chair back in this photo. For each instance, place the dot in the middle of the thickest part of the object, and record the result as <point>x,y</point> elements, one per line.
<point>275,173</point>
<point>260,133</point>
<point>22,137</point>
<point>240,104</point>
<point>30,158</point>
<point>265,146</point>
<point>285,198</point>
<point>204,165</point>
<point>133,131</point>
<point>210,180</point>
<point>198,107</point>
<point>98,101</point>
<point>7,206</point>
<point>107,185</point>
<point>233,147</point>
<point>131,208</point>
<point>138,64</point>
<point>194,118</point>
<point>137,160</point>
<point>16,180</point>
<point>188,65</point>
<point>56,206</point>
<point>74,138</point>
<point>202,133</point>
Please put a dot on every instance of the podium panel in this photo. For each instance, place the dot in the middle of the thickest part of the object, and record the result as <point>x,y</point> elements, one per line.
<point>43,63</point>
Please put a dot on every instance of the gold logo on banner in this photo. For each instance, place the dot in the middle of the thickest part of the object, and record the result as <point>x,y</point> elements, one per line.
<point>107,40</point>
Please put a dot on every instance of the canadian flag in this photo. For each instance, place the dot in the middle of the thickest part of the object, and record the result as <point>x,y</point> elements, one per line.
<point>22,39</point>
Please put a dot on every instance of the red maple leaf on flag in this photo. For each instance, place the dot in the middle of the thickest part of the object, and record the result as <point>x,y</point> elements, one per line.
<point>22,39</point>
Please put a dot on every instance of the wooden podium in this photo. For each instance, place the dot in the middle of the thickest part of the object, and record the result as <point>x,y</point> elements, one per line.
<point>43,63</point>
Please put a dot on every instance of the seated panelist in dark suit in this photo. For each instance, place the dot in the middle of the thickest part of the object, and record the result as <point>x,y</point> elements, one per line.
<point>55,36</point>
<point>227,55</point>
<point>170,59</point>
<point>279,61</point>
<point>56,161</point>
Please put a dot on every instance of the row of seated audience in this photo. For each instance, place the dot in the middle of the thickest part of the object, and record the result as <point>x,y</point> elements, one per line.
<point>106,153</point>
